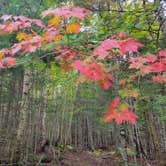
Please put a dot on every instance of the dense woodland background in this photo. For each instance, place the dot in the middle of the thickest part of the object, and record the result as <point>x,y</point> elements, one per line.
<point>41,106</point>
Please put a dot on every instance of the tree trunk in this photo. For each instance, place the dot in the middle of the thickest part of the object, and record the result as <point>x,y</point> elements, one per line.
<point>23,110</point>
<point>123,145</point>
<point>44,114</point>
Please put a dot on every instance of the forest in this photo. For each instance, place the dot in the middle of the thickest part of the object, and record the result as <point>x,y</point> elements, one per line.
<point>82,83</point>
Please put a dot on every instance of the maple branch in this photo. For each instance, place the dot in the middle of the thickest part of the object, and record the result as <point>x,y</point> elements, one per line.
<point>43,56</point>
<point>158,32</point>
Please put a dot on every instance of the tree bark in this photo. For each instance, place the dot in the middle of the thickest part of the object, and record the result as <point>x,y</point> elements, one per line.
<point>23,110</point>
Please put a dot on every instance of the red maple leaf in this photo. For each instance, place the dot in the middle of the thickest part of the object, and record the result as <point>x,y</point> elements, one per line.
<point>119,112</point>
<point>94,72</point>
<point>121,35</point>
<point>105,47</point>
<point>136,62</point>
<point>105,84</point>
<point>67,12</point>
<point>159,78</point>
<point>110,115</point>
<point>16,47</point>
<point>126,116</point>
<point>150,58</point>
<point>6,17</point>
<point>7,62</point>
<point>162,53</point>
<point>114,103</point>
<point>129,45</point>
<point>79,65</point>
<point>146,69</point>
<point>124,46</point>
<point>158,67</point>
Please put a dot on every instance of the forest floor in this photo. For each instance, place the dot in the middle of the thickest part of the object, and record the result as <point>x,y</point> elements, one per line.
<point>86,158</point>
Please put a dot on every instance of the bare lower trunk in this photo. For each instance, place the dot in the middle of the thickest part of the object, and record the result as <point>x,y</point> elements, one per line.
<point>23,109</point>
<point>43,127</point>
<point>44,114</point>
<point>123,145</point>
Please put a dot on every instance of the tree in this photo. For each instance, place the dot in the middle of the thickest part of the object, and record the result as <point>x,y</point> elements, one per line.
<point>56,36</point>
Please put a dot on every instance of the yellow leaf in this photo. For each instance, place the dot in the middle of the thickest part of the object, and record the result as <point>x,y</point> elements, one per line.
<point>47,47</point>
<point>54,21</point>
<point>57,38</point>
<point>1,55</point>
<point>21,36</point>
<point>73,28</point>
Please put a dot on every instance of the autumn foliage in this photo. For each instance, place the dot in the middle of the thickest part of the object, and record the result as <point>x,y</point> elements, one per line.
<point>119,112</point>
<point>92,68</point>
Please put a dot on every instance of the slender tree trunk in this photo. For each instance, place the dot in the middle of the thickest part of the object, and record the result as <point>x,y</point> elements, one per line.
<point>44,114</point>
<point>123,145</point>
<point>90,138</point>
<point>43,127</point>
<point>23,110</point>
